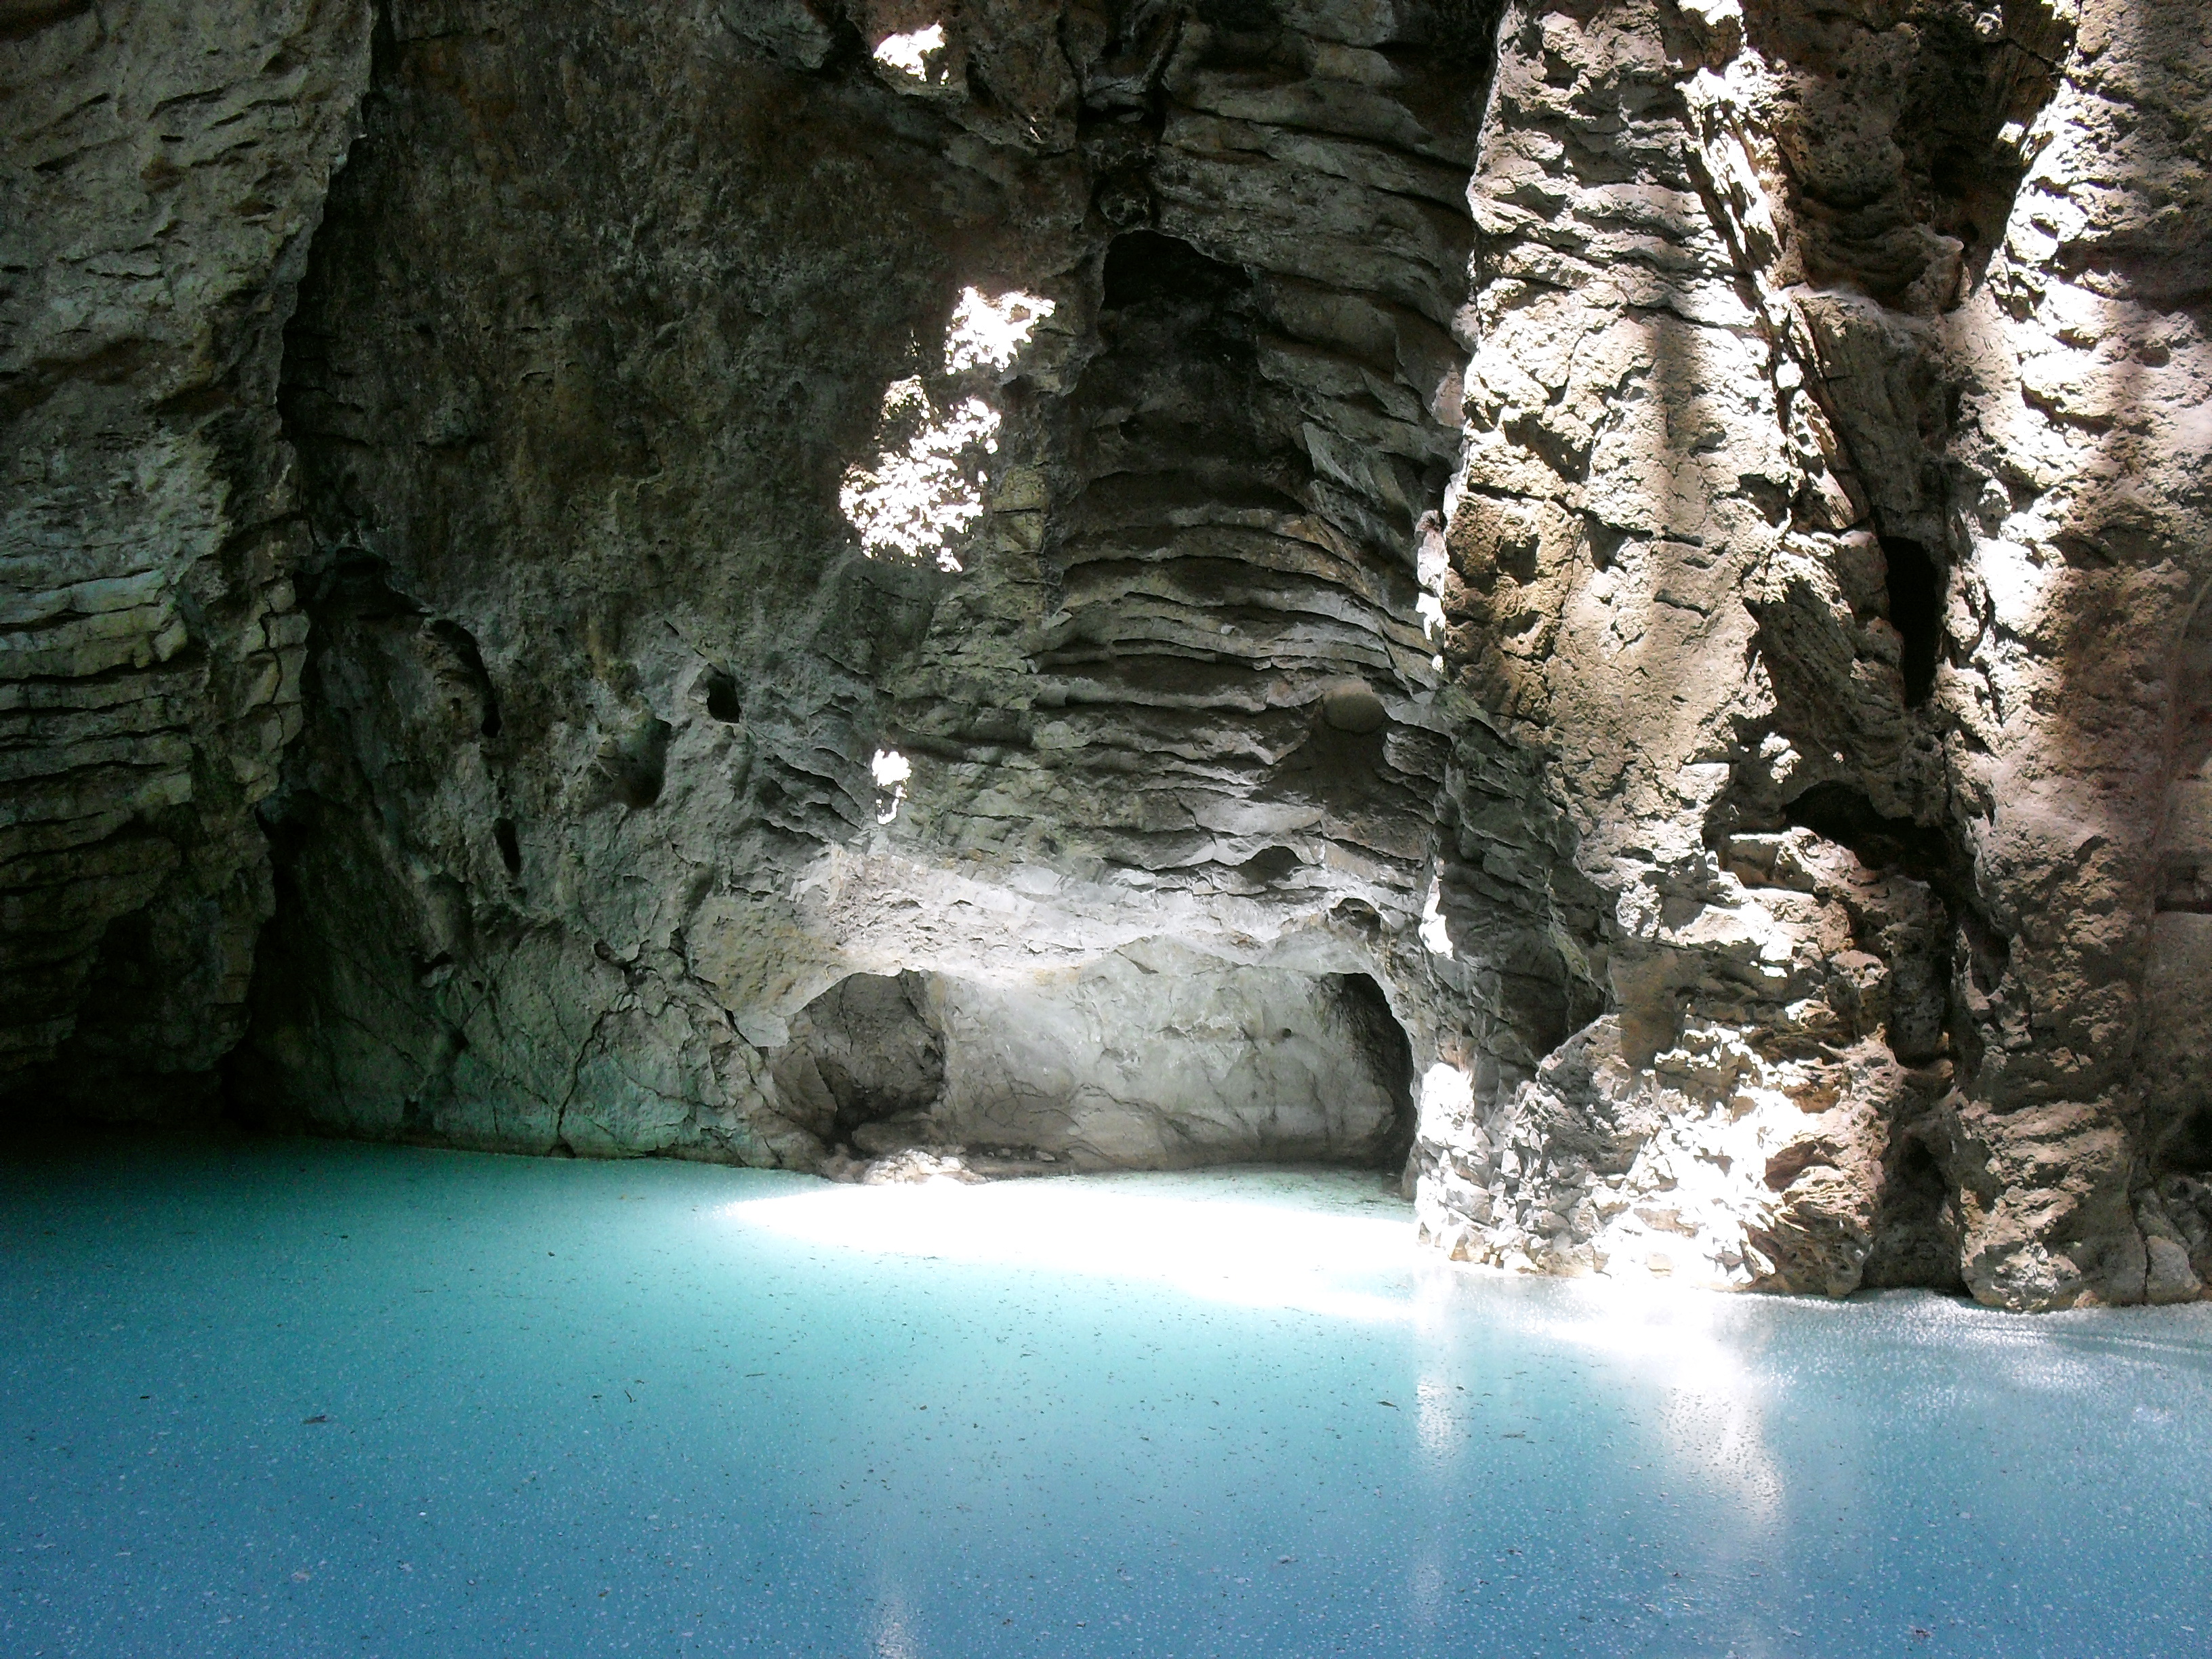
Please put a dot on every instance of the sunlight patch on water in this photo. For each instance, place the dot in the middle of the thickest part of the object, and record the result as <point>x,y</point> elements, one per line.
<point>1265,1244</point>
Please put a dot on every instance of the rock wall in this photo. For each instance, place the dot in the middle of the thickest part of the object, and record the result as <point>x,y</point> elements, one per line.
<point>1833,524</point>
<point>927,574</point>
<point>1152,1057</point>
<point>869,494</point>
<point>166,167</point>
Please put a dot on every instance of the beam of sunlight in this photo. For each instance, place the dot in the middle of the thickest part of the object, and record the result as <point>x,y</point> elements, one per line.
<point>1689,1343</point>
<point>1435,934</point>
<point>989,333</point>
<point>921,495</point>
<point>912,54</point>
<point>893,771</point>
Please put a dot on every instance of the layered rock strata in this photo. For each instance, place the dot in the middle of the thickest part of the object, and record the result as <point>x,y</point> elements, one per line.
<point>1146,582</point>
<point>165,166</point>
<point>963,517</point>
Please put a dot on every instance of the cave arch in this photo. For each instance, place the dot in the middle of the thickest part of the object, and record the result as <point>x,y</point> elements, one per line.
<point>1153,1057</point>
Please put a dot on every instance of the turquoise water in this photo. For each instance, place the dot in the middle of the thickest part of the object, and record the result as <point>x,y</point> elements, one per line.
<point>304,1399</point>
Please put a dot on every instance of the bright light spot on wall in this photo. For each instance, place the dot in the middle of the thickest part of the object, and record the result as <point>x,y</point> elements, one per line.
<point>1433,560</point>
<point>910,54</point>
<point>920,496</point>
<point>1447,1099</point>
<point>892,770</point>
<point>1434,934</point>
<point>990,333</point>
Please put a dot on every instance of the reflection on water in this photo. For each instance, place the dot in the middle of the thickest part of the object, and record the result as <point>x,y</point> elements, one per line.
<point>1320,1241</point>
<point>302,1398</point>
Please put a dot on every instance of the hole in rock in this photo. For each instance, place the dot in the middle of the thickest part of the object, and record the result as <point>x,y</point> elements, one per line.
<point>723,701</point>
<point>1144,266</point>
<point>358,588</point>
<point>866,1050</point>
<point>510,845</point>
<point>459,661</point>
<point>1915,1239</point>
<point>1269,863</point>
<point>1915,612</point>
<point>1155,1057</point>
<point>2188,1149</point>
<point>2185,885</point>
<point>1846,816</point>
<point>636,762</point>
<point>1250,17</point>
<point>1356,914</point>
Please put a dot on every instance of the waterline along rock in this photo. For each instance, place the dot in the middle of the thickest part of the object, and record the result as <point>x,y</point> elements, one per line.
<point>1602,601</point>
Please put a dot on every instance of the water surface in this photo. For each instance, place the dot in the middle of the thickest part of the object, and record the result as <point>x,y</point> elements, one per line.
<point>308,1398</point>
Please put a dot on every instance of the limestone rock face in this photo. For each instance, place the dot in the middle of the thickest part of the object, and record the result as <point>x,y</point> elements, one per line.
<point>165,165</point>
<point>1834,523</point>
<point>1107,582</point>
<point>1233,1063</point>
<point>874,495</point>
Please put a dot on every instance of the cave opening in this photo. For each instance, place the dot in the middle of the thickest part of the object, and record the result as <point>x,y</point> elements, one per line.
<point>1846,815</point>
<point>1122,1065</point>
<point>724,701</point>
<point>1916,1240</point>
<point>2188,1147</point>
<point>1915,587</point>
<point>1144,266</point>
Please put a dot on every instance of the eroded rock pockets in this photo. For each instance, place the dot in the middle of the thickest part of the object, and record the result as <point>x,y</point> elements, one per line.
<point>1151,1058</point>
<point>1232,626</point>
<point>1233,470</point>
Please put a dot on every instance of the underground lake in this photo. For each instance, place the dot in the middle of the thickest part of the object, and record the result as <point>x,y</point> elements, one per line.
<point>300,1397</point>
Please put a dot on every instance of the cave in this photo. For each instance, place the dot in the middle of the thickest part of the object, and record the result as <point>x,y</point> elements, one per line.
<point>1236,1066</point>
<point>1105,826</point>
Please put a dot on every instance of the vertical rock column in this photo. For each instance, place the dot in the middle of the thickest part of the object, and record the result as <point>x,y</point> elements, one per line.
<point>1830,532</point>
<point>164,167</point>
<point>2086,495</point>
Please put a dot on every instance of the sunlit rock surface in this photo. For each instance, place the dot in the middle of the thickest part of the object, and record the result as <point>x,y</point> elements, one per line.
<point>1833,521</point>
<point>1234,1064</point>
<point>1624,578</point>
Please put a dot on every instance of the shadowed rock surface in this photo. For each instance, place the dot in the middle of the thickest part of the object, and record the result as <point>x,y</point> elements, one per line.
<point>1152,582</point>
